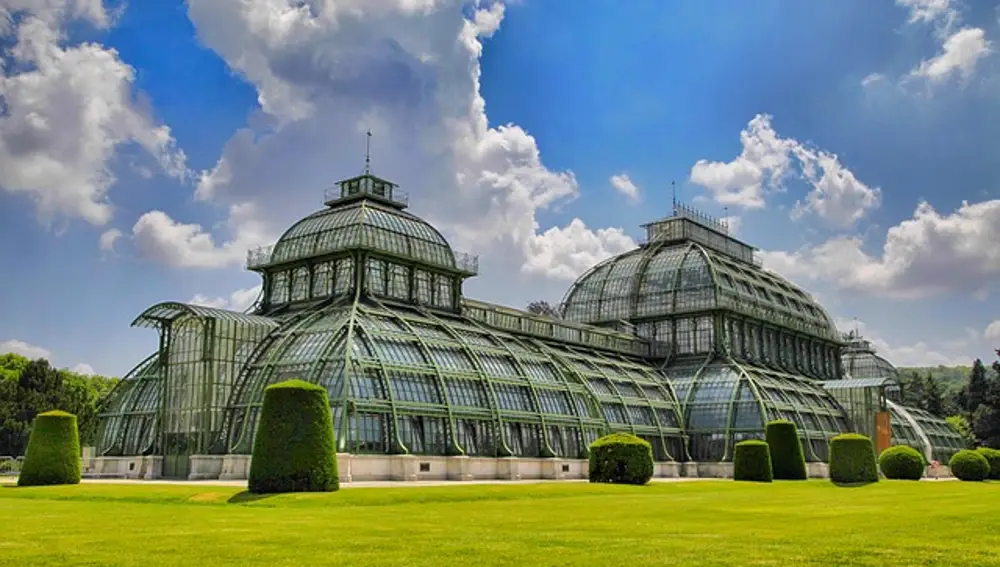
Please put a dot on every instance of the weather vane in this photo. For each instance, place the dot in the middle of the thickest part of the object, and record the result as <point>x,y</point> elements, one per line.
<point>368,152</point>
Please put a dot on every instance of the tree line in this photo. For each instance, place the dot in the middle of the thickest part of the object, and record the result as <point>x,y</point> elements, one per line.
<point>29,387</point>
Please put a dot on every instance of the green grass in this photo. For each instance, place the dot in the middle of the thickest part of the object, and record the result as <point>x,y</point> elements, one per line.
<point>690,524</point>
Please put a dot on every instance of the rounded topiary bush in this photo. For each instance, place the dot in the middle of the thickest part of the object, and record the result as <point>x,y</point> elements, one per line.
<point>621,458</point>
<point>992,457</point>
<point>752,461</point>
<point>902,463</point>
<point>852,459</point>
<point>53,453</point>
<point>294,450</point>
<point>787,459</point>
<point>969,465</point>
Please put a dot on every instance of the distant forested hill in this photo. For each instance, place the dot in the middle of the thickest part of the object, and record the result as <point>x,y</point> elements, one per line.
<point>951,378</point>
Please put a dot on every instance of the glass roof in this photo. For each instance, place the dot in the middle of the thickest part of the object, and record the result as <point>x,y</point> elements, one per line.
<point>861,361</point>
<point>925,432</point>
<point>654,281</point>
<point>858,383</point>
<point>400,370</point>
<point>169,311</point>
<point>366,224</point>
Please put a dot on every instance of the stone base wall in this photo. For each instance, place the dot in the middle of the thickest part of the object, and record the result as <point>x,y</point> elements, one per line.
<point>354,468</point>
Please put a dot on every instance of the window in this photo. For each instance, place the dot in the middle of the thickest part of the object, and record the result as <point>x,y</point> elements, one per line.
<point>399,285</point>
<point>344,277</point>
<point>443,298</point>
<point>375,278</point>
<point>322,280</point>
<point>279,288</point>
<point>300,284</point>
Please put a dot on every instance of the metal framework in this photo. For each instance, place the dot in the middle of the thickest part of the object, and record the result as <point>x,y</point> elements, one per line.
<point>914,427</point>
<point>405,380</point>
<point>685,342</point>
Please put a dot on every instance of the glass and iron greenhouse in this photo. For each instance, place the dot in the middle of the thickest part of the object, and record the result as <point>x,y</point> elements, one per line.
<point>685,341</point>
<point>910,426</point>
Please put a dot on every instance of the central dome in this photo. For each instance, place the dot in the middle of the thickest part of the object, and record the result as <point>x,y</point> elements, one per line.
<point>364,224</point>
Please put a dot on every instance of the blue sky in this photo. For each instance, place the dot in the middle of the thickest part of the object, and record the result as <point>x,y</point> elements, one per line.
<point>144,146</point>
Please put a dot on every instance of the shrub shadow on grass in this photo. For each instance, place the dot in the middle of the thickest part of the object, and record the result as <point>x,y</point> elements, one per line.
<point>247,496</point>
<point>853,484</point>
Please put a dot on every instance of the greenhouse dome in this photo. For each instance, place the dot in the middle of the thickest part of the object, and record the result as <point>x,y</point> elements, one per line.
<point>685,342</point>
<point>915,427</point>
<point>745,346</point>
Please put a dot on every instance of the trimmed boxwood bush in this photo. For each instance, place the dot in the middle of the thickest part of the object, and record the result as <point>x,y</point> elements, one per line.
<point>53,453</point>
<point>969,465</point>
<point>294,450</point>
<point>752,461</point>
<point>787,459</point>
<point>992,457</point>
<point>852,459</point>
<point>902,462</point>
<point>621,458</point>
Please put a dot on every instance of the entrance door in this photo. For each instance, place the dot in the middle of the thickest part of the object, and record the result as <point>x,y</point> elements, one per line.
<point>175,456</point>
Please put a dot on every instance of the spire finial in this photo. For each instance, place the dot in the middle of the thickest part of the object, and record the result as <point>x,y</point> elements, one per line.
<point>673,190</point>
<point>368,152</point>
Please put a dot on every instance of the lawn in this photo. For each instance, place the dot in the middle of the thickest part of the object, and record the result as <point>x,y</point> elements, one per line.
<point>689,524</point>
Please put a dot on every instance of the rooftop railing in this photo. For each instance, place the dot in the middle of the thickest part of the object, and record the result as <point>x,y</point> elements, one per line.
<point>467,262</point>
<point>260,256</point>
<point>336,193</point>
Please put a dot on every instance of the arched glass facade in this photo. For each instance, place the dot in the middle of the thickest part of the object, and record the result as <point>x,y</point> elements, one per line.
<point>727,402</point>
<point>130,414</point>
<point>403,380</point>
<point>914,427</point>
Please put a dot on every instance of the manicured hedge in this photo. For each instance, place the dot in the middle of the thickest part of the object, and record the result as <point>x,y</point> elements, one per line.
<point>852,459</point>
<point>902,462</point>
<point>752,461</point>
<point>621,458</point>
<point>787,459</point>
<point>969,465</point>
<point>294,450</point>
<point>53,452</point>
<point>993,458</point>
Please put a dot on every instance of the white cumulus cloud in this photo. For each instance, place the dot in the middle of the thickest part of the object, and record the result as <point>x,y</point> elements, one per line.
<point>327,71</point>
<point>24,349</point>
<point>624,185</point>
<point>239,300</point>
<point>66,109</point>
<point>928,254</point>
<point>768,160</point>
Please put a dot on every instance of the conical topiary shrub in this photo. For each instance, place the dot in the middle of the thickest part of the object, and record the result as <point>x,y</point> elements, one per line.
<point>752,461</point>
<point>294,450</point>
<point>53,453</point>
<point>852,459</point>
<point>787,459</point>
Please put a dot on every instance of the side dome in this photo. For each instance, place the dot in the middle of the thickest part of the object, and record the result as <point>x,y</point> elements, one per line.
<point>364,224</point>
<point>861,361</point>
<point>657,281</point>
